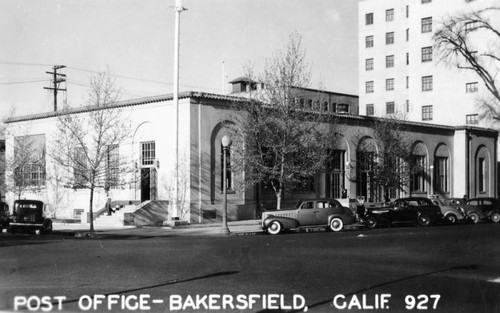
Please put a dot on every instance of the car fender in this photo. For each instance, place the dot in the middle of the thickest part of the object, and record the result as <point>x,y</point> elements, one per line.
<point>345,218</point>
<point>286,222</point>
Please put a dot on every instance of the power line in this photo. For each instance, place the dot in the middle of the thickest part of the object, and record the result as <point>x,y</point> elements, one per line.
<point>25,82</point>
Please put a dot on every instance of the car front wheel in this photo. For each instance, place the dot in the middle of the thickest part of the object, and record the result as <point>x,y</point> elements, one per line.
<point>451,219</point>
<point>495,217</point>
<point>274,228</point>
<point>336,224</point>
<point>474,218</point>
<point>423,220</point>
<point>370,222</point>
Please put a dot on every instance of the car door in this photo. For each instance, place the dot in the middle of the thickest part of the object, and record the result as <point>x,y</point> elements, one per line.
<point>307,214</point>
<point>324,208</point>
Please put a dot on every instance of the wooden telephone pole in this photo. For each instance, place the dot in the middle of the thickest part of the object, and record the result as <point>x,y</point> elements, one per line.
<point>57,79</point>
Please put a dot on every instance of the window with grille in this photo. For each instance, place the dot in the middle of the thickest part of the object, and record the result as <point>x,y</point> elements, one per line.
<point>389,61</point>
<point>389,107</point>
<point>370,110</point>
<point>389,84</point>
<point>427,25</point>
<point>389,38</point>
<point>369,41</point>
<point>427,113</point>
<point>113,166</point>
<point>369,18</point>
<point>471,119</point>
<point>389,15</point>
<point>417,178</point>
<point>471,87</point>
<point>427,83</point>
<point>426,54</point>
<point>369,87</point>
<point>441,174</point>
<point>148,153</point>
<point>481,175</point>
<point>369,64</point>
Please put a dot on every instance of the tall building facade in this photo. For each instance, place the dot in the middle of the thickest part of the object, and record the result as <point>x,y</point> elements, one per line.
<point>400,71</point>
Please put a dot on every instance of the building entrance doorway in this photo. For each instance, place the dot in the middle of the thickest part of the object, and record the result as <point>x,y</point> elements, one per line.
<point>149,189</point>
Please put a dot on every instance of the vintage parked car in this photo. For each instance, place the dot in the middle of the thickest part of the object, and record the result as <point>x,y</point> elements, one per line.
<point>308,213</point>
<point>4,216</point>
<point>28,216</point>
<point>451,214</point>
<point>482,209</point>
<point>414,210</point>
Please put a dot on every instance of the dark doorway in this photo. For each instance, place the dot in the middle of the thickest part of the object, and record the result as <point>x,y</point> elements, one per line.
<point>145,184</point>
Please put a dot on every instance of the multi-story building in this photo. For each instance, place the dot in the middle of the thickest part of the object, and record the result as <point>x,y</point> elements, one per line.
<point>399,71</point>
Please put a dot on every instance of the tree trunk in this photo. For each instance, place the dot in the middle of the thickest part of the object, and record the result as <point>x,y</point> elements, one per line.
<point>91,212</point>
<point>278,199</point>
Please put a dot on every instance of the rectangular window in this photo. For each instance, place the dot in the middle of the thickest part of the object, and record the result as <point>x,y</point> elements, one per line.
<point>343,108</point>
<point>389,38</point>
<point>148,153</point>
<point>80,168</point>
<point>389,84</point>
<point>389,107</point>
<point>389,15</point>
<point>426,1</point>
<point>337,169</point>
<point>369,18</point>
<point>417,178</point>
<point>369,86</point>
<point>427,83</point>
<point>427,25</point>
<point>113,167</point>
<point>369,41</point>
<point>471,87</point>
<point>426,54</point>
<point>481,175</point>
<point>427,113</point>
<point>407,58</point>
<point>407,34</point>
<point>29,161</point>
<point>370,110</point>
<point>407,105</point>
<point>441,174</point>
<point>407,11</point>
<point>407,82</point>
<point>471,119</point>
<point>389,61</point>
<point>369,64</point>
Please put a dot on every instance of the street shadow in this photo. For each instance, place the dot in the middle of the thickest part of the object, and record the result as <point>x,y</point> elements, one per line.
<point>320,303</point>
<point>171,282</point>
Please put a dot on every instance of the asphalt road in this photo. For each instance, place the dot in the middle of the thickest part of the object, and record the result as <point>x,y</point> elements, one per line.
<point>437,269</point>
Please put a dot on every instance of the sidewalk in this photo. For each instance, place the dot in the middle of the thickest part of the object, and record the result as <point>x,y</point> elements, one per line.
<point>237,228</point>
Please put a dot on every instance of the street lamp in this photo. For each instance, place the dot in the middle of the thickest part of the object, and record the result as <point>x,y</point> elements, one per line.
<point>432,180</point>
<point>226,141</point>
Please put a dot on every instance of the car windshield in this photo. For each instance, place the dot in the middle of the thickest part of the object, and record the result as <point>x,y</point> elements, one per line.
<point>26,208</point>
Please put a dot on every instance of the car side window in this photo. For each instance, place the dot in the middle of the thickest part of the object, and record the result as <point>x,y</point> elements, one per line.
<point>487,202</point>
<point>413,203</point>
<point>333,204</point>
<point>321,204</point>
<point>308,205</point>
<point>473,202</point>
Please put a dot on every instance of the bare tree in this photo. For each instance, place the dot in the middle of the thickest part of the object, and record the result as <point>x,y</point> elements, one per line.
<point>390,164</point>
<point>471,41</point>
<point>87,144</point>
<point>283,140</point>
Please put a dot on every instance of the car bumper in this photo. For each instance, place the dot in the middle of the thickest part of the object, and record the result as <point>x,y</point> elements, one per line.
<point>25,224</point>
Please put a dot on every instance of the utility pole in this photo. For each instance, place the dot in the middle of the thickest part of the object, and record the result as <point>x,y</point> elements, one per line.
<point>178,9</point>
<point>57,79</point>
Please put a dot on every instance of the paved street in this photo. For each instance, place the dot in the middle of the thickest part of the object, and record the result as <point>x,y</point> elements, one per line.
<point>451,268</point>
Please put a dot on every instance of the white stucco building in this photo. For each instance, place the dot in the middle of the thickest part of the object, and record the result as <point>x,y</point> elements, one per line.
<point>399,71</point>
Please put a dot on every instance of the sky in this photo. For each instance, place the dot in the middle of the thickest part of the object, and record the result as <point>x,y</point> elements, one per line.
<point>133,40</point>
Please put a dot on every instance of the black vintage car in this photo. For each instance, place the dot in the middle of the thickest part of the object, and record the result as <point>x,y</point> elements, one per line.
<point>482,209</point>
<point>4,216</point>
<point>28,216</point>
<point>414,210</point>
